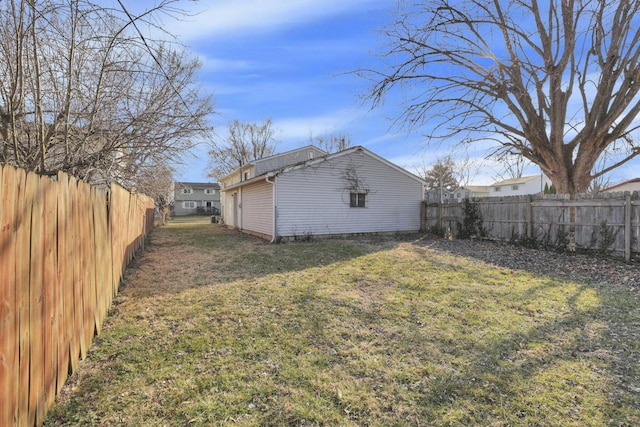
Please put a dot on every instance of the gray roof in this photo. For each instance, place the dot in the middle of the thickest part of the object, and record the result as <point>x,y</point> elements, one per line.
<point>513,181</point>
<point>198,184</point>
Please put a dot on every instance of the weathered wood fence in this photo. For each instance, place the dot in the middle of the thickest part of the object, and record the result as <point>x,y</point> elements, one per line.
<point>64,246</point>
<point>605,221</point>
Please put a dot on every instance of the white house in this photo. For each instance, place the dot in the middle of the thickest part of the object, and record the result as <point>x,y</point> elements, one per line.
<point>630,185</point>
<point>191,198</point>
<point>438,196</point>
<point>307,192</point>
<point>471,192</point>
<point>519,186</point>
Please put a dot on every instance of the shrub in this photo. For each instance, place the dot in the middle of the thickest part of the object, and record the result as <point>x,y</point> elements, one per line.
<point>472,222</point>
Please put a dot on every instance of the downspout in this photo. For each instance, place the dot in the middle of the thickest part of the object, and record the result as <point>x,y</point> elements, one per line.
<point>274,235</point>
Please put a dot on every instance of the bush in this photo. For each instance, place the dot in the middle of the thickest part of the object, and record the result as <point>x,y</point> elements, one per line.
<point>472,222</point>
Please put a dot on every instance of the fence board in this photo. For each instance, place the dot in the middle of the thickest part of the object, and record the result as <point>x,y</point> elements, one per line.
<point>36,300</point>
<point>50,290</point>
<point>6,330</point>
<point>76,284</point>
<point>131,225</point>
<point>116,199</point>
<point>103,300</point>
<point>23,233</point>
<point>63,267</point>
<point>8,298</point>
<point>88,279</point>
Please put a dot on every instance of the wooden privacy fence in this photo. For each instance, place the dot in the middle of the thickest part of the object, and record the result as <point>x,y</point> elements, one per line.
<point>605,221</point>
<point>64,246</point>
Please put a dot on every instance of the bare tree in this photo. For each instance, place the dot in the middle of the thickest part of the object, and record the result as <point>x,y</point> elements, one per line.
<point>466,168</point>
<point>556,82</point>
<point>332,143</point>
<point>510,167</point>
<point>244,142</point>
<point>602,181</point>
<point>82,91</point>
<point>441,177</point>
<point>156,181</point>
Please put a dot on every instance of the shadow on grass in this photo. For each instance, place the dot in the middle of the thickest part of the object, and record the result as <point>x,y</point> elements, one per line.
<point>575,366</point>
<point>369,345</point>
<point>190,254</point>
<point>554,368</point>
<point>543,367</point>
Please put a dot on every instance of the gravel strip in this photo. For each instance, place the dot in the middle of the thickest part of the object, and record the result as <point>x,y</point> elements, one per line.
<point>585,267</point>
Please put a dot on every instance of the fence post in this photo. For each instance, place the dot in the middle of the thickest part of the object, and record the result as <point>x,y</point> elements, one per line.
<point>529,217</point>
<point>627,227</point>
<point>144,229</point>
<point>441,215</point>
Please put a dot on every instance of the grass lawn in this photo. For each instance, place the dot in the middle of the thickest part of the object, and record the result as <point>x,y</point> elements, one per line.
<point>213,327</point>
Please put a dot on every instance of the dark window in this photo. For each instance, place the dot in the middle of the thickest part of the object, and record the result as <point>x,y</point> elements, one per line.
<point>358,200</point>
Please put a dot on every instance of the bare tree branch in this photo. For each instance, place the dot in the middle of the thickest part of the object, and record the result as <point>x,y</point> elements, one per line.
<point>244,142</point>
<point>331,143</point>
<point>556,82</point>
<point>83,92</point>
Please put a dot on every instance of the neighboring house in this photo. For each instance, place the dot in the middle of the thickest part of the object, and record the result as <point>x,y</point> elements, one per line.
<point>519,186</point>
<point>630,185</point>
<point>471,192</point>
<point>435,196</point>
<point>307,192</point>
<point>196,198</point>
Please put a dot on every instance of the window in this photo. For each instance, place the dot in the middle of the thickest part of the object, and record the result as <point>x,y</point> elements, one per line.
<point>246,176</point>
<point>311,154</point>
<point>358,200</point>
<point>187,191</point>
<point>189,205</point>
<point>497,189</point>
<point>514,187</point>
<point>209,191</point>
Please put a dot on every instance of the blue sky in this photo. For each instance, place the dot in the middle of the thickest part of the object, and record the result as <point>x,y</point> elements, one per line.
<point>290,60</point>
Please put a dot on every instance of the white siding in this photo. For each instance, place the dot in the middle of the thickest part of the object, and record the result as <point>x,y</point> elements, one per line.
<point>529,187</point>
<point>525,185</point>
<point>257,208</point>
<point>631,186</point>
<point>315,199</point>
<point>227,199</point>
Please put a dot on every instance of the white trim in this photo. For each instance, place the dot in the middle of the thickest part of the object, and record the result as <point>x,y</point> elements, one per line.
<point>274,194</point>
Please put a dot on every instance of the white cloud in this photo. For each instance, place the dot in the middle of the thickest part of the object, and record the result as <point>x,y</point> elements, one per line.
<point>301,128</point>
<point>218,64</point>
<point>232,17</point>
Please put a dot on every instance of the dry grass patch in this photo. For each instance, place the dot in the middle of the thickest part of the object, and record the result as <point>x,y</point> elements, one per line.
<point>213,327</point>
